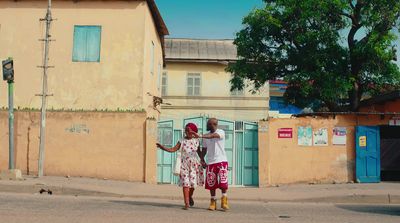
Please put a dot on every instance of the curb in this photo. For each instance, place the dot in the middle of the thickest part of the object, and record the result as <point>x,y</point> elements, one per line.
<point>64,191</point>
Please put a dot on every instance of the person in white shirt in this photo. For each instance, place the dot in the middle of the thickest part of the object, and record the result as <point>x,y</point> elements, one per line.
<point>217,163</point>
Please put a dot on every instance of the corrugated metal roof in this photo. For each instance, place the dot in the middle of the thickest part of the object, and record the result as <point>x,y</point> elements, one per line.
<point>200,50</point>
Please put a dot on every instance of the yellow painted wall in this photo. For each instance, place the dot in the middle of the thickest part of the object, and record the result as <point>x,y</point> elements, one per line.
<point>283,161</point>
<point>151,81</point>
<point>119,80</point>
<point>215,100</point>
<point>88,144</point>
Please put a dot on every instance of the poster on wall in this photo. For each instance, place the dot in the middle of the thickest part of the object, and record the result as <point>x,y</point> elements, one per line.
<point>362,141</point>
<point>339,136</point>
<point>304,135</point>
<point>321,137</point>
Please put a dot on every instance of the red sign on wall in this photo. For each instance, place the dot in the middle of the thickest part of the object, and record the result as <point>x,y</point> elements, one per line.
<point>285,133</point>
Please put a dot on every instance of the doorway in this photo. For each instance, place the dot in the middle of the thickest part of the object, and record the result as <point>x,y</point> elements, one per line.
<point>390,153</point>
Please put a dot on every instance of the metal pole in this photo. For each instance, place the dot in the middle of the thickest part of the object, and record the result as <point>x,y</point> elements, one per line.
<point>48,20</point>
<point>11,125</point>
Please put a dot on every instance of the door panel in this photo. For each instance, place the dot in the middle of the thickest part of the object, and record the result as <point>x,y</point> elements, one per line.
<point>250,177</point>
<point>177,138</point>
<point>164,159</point>
<point>239,146</point>
<point>367,154</point>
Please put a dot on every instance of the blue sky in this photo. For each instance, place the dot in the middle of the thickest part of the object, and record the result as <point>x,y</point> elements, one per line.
<point>208,19</point>
<point>212,19</point>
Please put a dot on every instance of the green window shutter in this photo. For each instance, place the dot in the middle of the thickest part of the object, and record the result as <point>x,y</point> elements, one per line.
<point>93,44</point>
<point>79,51</point>
<point>87,43</point>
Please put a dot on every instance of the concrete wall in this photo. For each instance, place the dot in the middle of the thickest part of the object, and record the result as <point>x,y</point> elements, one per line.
<point>215,100</point>
<point>283,161</point>
<point>117,81</point>
<point>89,144</point>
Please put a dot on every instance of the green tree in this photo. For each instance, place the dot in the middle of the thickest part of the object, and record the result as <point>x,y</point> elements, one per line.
<point>331,52</point>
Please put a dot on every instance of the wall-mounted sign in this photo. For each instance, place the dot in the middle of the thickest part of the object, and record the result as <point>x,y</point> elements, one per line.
<point>321,137</point>
<point>395,121</point>
<point>285,133</point>
<point>339,136</point>
<point>362,141</point>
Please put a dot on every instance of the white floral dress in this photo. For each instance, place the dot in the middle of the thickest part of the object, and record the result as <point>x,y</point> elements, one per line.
<point>191,170</point>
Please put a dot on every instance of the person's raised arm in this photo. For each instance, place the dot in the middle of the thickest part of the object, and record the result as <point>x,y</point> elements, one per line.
<point>214,135</point>
<point>211,136</point>
<point>170,150</point>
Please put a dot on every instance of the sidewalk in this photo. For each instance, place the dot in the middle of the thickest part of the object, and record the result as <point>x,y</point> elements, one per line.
<point>332,193</point>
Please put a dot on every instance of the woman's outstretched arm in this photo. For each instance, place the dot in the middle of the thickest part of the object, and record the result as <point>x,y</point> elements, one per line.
<point>170,150</point>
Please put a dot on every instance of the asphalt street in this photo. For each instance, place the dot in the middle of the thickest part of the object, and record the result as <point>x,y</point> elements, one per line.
<point>18,208</point>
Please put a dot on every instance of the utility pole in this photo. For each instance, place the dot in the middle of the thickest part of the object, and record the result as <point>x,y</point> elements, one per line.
<point>11,164</point>
<point>8,75</point>
<point>48,19</point>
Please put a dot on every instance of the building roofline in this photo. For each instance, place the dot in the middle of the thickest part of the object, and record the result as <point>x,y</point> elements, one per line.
<point>197,39</point>
<point>381,98</point>
<point>200,50</point>
<point>161,27</point>
<point>160,24</point>
<point>177,60</point>
<point>345,113</point>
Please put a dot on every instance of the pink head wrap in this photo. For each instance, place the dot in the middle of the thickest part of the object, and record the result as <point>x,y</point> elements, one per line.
<point>193,127</point>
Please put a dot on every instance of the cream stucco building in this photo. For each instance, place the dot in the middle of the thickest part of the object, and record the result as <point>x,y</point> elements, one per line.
<point>106,54</point>
<point>195,83</point>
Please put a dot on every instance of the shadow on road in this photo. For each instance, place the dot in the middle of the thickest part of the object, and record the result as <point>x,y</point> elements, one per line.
<point>374,209</point>
<point>153,204</point>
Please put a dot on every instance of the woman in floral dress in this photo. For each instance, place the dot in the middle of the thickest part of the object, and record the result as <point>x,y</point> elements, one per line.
<point>191,174</point>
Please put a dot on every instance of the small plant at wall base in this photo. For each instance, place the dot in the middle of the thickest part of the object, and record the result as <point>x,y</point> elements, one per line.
<point>331,53</point>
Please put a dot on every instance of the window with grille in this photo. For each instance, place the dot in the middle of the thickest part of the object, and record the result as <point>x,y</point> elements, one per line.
<point>164,84</point>
<point>193,84</point>
<point>152,58</point>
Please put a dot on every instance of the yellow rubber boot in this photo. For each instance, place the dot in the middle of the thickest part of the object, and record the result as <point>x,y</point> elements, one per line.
<point>213,205</point>
<point>224,203</point>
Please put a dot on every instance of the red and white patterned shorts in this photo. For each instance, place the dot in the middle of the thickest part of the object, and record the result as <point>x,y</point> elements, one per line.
<point>217,176</point>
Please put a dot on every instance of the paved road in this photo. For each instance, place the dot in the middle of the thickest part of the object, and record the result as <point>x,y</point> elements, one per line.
<point>69,209</point>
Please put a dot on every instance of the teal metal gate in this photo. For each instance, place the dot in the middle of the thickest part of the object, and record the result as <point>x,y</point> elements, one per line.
<point>241,145</point>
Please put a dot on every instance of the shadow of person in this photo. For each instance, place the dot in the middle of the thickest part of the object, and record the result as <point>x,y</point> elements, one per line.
<point>153,204</point>
<point>393,210</point>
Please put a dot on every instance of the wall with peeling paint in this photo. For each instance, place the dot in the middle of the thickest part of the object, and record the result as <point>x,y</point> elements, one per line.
<point>88,144</point>
<point>283,161</point>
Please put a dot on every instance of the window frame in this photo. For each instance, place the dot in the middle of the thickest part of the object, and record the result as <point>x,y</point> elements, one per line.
<point>164,87</point>
<point>86,60</point>
<point>159,77</point>
<point>152,59</point>
<point>193,75</point>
